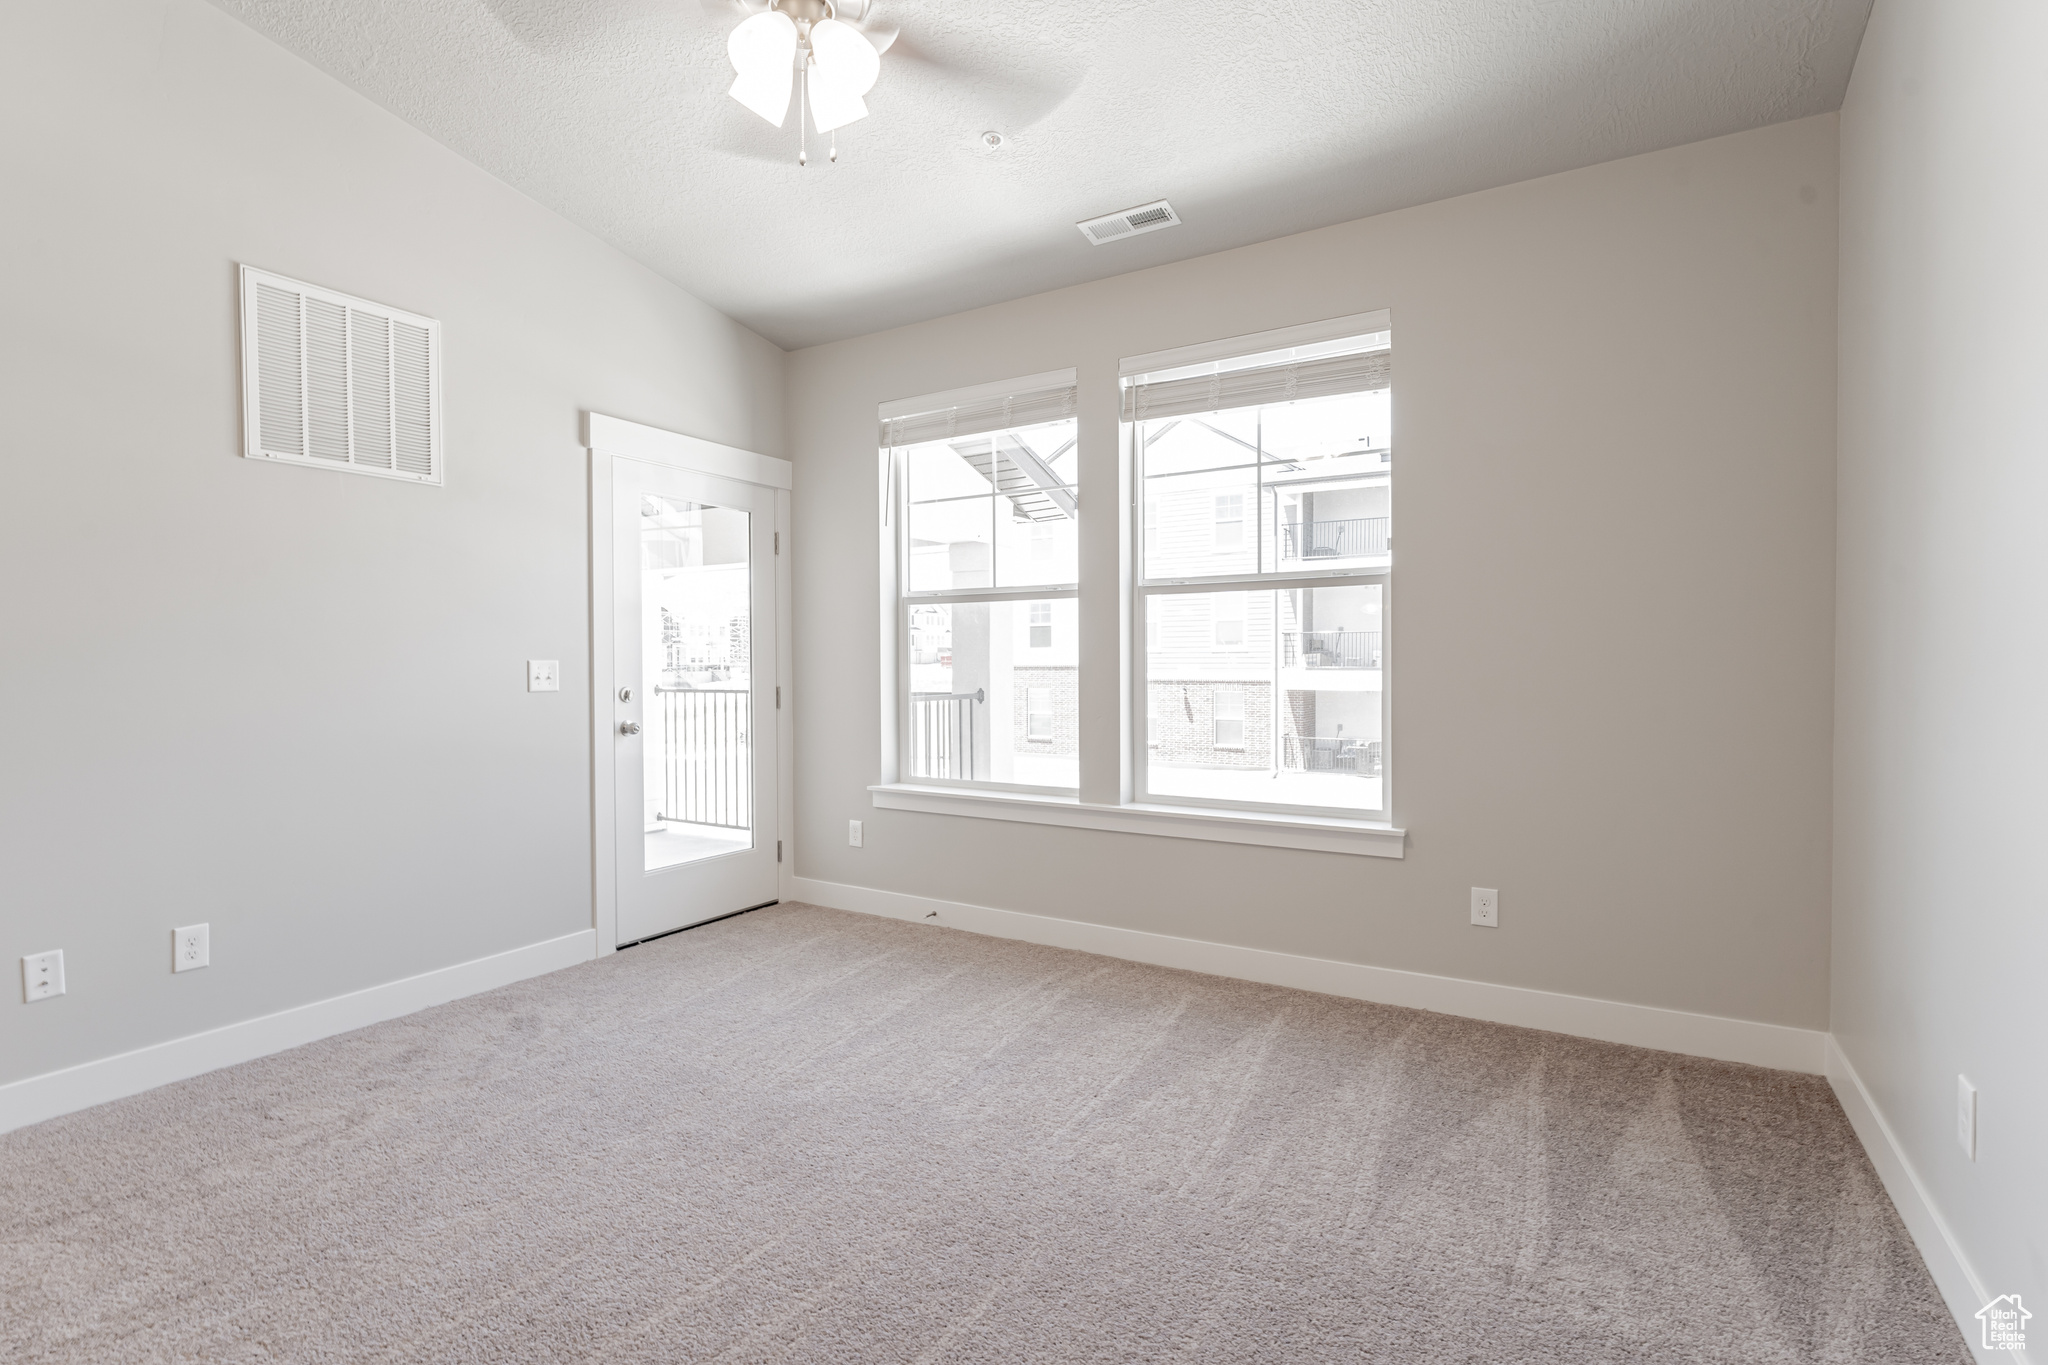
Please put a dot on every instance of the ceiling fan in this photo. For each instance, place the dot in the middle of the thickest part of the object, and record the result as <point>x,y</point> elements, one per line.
<point>833,44</point>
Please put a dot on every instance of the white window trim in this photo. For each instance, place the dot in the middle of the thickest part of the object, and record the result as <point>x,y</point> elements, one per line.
<point>898,599</point>
<point>1268,829</point>
<point>1218,824</point>
<point>1137,587</point>
<point>1258,343</point>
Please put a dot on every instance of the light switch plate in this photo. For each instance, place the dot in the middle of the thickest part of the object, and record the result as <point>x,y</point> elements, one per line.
<point>543,675</point>
<point>191,947</point>
<point>1486,907</point>
<point>42,975</point>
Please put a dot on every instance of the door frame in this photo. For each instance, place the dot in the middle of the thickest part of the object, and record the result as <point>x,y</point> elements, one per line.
<point>608,440</point>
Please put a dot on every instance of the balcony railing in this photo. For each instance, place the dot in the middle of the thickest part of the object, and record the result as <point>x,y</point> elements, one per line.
<point>1345,539</point>
<point>942,734</point>
<point>1315,754</point>
<point>707,767</point>
<point>1330,649</point>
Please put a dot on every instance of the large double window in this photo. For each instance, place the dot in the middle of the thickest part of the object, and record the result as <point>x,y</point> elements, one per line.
<point>1263,550</point>
<point>1257,544</point>
<point>984,510</point>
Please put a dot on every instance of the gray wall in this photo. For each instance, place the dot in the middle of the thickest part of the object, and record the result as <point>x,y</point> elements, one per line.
<point>289,702</point>
<point>1612,617</point>
<point>1942,650</point>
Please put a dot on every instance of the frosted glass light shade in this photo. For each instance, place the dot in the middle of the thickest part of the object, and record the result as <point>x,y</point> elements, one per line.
<point>763,52</point>
<point>831,105</point>
<point>844,57</point>
<point>843,67</point>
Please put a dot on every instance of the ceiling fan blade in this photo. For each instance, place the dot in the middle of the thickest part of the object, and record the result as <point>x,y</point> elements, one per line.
<point>1016,96</point>
<point>546,26</point>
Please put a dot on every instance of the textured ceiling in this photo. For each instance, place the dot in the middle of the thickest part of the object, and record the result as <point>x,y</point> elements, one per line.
<point>1256,118</point>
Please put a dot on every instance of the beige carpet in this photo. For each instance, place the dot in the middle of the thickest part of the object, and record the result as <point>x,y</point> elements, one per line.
<point>802,1135</point>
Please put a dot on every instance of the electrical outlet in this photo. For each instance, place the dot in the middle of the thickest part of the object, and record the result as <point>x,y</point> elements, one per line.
<point>1486,907</point>
<point>543,675</point>
<point>190,948</point>
<point>853,834</point>
<point>42,975</point>
<point>1966,1117</point>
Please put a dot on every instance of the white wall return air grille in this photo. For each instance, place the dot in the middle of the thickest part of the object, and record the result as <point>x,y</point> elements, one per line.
<point>338,382</point>
<point>1113,227</point>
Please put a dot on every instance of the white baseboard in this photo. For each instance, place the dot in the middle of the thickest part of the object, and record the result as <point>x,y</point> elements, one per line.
<point>36,1098</point>
<point>1697,1035</point>
<point>1953,1275</point>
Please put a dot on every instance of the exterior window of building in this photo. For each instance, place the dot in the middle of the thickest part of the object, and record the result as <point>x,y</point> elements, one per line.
<point>1263,567</point>
<point>1226,717</point>
<point>1226,623</point>
<point>984,500</point>
<point>1038,715</point>
<point>1229,528</point>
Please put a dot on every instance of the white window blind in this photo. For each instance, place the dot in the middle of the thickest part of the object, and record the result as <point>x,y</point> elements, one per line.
<point>339,382</point>
<point>980,413</point>
<point>1176,395</point>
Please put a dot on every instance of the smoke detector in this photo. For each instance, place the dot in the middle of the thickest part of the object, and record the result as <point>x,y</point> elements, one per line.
<point>1129,223</point>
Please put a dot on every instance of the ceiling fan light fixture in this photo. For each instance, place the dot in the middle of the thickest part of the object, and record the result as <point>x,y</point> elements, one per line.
<point>843,67</point>
<point>763,52</point>
<point>832,105</point>
<point>844,56</point>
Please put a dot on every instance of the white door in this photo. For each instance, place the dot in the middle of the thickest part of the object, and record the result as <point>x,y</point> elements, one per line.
<point>694,702</point>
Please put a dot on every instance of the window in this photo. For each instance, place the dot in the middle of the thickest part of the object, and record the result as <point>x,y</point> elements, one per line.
<point>1226,620</point>
<point>984,496</point>
<point>1262,570</point>
<point>1229,528</point>
<point>1038,715</point>
<point>1226,717</point>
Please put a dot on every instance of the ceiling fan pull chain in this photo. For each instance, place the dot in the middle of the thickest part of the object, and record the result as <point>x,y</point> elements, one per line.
<point>803,113</point>
<point>835,147</point>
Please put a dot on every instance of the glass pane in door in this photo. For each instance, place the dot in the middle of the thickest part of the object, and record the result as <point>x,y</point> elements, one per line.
<point>696,633</point>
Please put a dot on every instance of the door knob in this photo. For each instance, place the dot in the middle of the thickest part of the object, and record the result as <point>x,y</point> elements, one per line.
<point>631,727</point>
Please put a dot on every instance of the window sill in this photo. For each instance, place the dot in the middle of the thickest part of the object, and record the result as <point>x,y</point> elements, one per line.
<point>1319,833</point>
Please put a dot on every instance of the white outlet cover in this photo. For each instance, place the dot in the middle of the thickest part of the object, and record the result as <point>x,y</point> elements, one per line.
<point>1486,907</point>
<point>42,975</point>
<point>191,947</point>
<point>853,833</point>
<point>543,675</point>
<point>1966,1117</point>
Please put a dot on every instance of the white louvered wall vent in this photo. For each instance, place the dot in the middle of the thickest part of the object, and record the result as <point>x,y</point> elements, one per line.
<point>339,382</point>
<point>1113,227</point>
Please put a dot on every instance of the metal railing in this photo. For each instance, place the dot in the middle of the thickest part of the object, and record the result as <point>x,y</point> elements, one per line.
<point>707,767</point>
<point>1330,649</point>
<point>1335,539</point>
<point>942,734</point>
<point>1316,754</point>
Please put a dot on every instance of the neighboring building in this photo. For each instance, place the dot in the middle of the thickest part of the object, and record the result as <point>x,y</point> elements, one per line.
<point>1215,662</point>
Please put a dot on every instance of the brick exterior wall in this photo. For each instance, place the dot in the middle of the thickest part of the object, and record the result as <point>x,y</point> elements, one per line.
<point>1065,682</point>
<point>1183,724</point>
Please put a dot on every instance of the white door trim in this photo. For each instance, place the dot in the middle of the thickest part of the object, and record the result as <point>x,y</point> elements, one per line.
<point>608,440</point>
<point>616,436</point>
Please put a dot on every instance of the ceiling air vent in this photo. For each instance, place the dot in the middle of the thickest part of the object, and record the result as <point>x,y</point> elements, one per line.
<point>1144,218</point>
<point>339,382</point>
